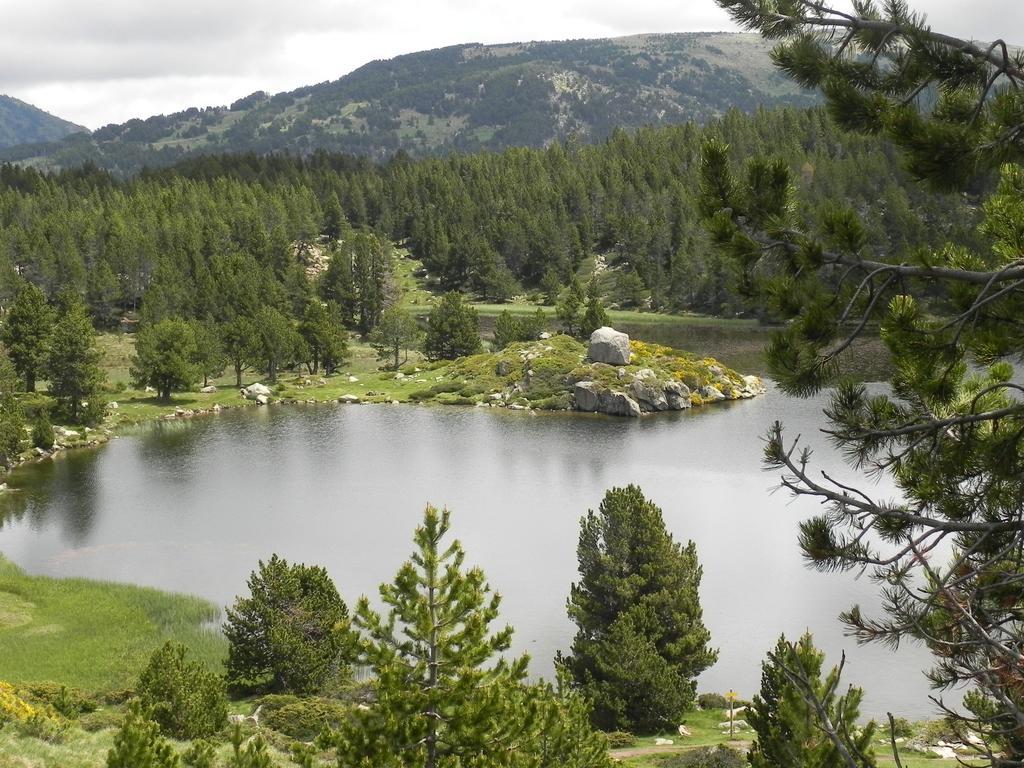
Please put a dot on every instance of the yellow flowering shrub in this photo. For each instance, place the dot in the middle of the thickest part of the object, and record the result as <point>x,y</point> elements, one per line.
<point>13,707</point>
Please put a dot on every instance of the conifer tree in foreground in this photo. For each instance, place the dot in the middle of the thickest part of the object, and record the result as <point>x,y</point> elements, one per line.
<point>949,549</point>
<point>800,720</point>
<point>444,692</point>
<point>641,641</point>
<point>446,696</point>
<point>291,633</point>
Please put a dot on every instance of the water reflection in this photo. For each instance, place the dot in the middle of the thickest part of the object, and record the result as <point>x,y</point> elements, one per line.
<point>193,508</point>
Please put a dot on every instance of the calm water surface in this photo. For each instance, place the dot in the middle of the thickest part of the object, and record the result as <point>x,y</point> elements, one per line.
<point>192,507</point>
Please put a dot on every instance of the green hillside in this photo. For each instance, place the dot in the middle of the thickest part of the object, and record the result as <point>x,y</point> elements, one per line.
<point>21,123</point>
<point>465,98</point>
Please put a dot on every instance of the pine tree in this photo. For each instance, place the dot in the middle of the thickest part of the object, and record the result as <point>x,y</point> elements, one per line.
<point>570,306</point>
<point>397,332</point>
<point>800,720</point>
<point>73,363</point>
<point>452,329</point>
<point>209,355</point>
<point>950,434</point>
<point>238,340</point>
<point>275,341</point>
<point>291,633</point>
<point>445,694</point>
<point>641,641</point>
<point>187,700</point>
<point>26,333</point>
<point>324,335</point>
<point>563,736</point>
<point>12,415</point>
<point>138,744</point>
<point>165,355</point>
<point>594,314</point>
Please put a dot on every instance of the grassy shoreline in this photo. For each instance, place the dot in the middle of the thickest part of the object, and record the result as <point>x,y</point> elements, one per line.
<point>95,635</point>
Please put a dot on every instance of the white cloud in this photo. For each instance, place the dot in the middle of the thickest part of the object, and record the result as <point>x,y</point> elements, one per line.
<point>110,60</point>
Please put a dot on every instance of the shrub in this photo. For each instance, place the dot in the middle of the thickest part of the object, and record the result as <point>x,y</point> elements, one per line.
<point>138,744</point>
<point>712,701</point>
<point>12,706</point>
<point>101,720</point>
<point>42,433</point>
<point>117,696</point>
<point>201,754</point>
<point>304,719</point>
<point>186,700</point>
<point>620,739</point>
<point>43,726</point>
<point>253,756</point>
<point>934,731</point>
<point>69,702</point>
<point>903,728</point>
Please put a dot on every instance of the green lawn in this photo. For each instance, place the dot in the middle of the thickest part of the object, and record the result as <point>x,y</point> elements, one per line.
<point>94,635</point>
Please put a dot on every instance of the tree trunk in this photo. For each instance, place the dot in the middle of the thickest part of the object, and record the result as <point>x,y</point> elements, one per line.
<point>30,381</point>
<point>238,374</point>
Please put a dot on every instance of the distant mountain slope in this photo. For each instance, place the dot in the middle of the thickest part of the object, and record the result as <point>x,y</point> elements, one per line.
<point>465,97</point>
<point>21,123</point>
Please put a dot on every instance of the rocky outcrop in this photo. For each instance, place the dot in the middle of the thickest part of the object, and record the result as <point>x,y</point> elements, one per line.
<point>594,398</point>
<point>649,394</point>
<point>609,346</point>
<point>678,395</point>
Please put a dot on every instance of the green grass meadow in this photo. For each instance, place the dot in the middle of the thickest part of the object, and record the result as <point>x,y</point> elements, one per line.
<point>95,635</point>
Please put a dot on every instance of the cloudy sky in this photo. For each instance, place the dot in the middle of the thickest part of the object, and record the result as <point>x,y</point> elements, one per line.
<point>107,61</point>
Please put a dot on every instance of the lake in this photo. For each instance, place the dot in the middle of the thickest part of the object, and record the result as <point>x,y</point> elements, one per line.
<point>193,506</point>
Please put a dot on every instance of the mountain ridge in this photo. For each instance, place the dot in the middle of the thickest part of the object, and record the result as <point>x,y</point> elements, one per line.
<point>465,97</point>
<point>23,123</point>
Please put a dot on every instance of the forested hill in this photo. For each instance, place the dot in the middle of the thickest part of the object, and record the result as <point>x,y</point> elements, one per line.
<point>466,98</point>
<point>21,123</point>
<point>189,241</point>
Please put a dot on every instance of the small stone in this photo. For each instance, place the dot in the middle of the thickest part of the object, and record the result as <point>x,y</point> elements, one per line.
<point>353,379</point>
<point>660,742</point>
<point>112,405</point>
<point>399,376</point>
<point>349,399</point>
<point>208,389</point>
<point>262,400</point>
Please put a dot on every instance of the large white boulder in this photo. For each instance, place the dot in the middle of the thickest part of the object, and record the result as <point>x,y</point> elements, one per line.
<point>609,346</point>
<point>255,390</point>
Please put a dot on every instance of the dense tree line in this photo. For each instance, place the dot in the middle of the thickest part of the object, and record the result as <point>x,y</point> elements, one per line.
<point>213,237</point>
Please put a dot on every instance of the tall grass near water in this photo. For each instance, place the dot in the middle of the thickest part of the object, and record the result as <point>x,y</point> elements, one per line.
<point>95,635</point>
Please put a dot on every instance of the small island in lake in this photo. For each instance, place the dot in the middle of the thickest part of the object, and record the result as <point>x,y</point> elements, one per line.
<point>611,375</point>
